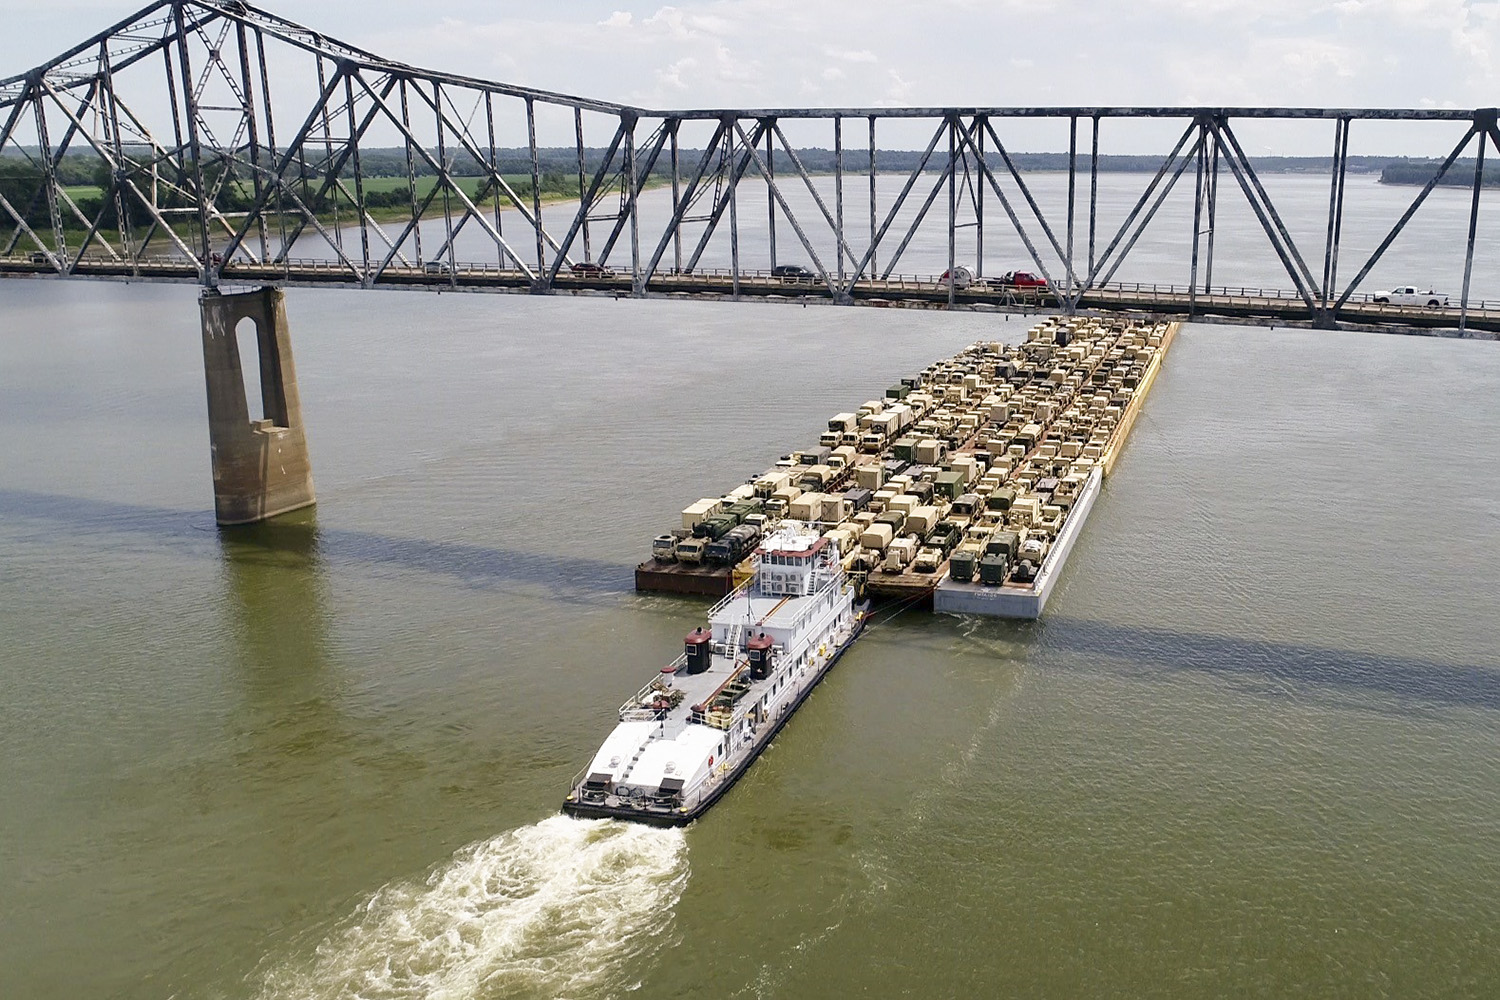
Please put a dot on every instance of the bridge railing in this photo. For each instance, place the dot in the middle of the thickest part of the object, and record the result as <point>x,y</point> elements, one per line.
<point>762,280</point>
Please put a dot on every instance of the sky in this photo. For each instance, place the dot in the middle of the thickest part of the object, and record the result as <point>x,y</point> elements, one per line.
<point>868,53</point>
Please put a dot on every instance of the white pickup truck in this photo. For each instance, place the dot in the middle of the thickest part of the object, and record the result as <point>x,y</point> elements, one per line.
<point>1410,295</point>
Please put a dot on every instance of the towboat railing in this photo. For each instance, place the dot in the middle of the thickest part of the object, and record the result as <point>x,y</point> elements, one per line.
<point>640,708</point>
<point>730,598</point>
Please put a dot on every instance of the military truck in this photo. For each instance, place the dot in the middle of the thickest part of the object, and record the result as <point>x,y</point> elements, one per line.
<point>899,554</point>
<point>664,548</point>
<point>732,547</point>
<point>963,562</point>
<point>928,559</point>
<point>690,550</point>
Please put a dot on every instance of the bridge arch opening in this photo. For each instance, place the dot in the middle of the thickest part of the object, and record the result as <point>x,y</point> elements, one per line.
<point>247,339</point>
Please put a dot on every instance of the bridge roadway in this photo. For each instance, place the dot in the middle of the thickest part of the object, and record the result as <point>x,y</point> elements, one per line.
<point>1246,305</point>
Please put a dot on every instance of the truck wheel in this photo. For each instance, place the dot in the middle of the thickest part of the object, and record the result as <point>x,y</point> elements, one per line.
<point>1381,300</point>
<point>1433,303</point>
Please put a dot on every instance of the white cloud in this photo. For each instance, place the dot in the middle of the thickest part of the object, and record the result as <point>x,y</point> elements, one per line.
<point>769,53</point>
<point>899,90</point>
<point>672,76</point>
<point>670,18</point>
<point>848,55</point>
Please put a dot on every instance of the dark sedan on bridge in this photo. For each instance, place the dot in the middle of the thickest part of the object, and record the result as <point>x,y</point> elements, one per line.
<point>793,272</point>
<point>591,269</point>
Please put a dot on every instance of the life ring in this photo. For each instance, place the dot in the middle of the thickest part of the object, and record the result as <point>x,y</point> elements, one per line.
<point>710,760</point>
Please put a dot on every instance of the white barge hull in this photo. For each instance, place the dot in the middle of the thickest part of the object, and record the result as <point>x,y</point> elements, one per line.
<point>1010,600</point>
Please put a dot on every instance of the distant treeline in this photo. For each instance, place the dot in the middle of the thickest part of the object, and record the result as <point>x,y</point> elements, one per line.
<point>84,168</point>
<point>822,161</point>
<point>21,184</point>
<point>75,169</point>
<point>1461,174</point>
<point>20,175</point>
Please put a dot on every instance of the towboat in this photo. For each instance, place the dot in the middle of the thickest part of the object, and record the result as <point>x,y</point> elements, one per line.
<point>684,738</point>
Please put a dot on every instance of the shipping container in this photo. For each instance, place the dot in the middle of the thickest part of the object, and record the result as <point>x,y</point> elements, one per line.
<point>858,499</point>
<point>694,513</point>
<point>807,507</point>
<point>877,536</point>
<point>992,569</point>
<point>904,502</point>
<point>899,554</point>
<point>767,485</point>
<point>949,484</point>
<point>921,520</point>
<point>961,565</point>
<point>929,451</point>
<point>815,456</point>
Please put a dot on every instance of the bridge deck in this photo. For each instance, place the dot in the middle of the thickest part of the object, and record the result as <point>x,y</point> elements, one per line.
<point>1251,305</point>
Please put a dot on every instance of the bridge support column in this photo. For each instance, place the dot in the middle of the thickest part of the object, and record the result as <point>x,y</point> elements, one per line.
<point>261,467</point>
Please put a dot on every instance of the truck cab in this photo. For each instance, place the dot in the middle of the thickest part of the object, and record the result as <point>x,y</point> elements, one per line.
<point>691,550</point>
<point>664,548</point>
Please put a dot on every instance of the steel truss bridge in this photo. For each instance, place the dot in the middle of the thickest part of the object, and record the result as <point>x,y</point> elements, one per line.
<point>234,147</point>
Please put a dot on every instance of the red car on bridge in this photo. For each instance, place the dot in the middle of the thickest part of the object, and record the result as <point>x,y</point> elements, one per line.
<point>1023,279</point>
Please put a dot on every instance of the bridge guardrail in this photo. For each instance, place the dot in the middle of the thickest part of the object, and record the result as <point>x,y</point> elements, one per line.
<point>759,277</point>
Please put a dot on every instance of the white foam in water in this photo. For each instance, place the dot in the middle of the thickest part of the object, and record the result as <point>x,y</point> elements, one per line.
<point>548,910</point>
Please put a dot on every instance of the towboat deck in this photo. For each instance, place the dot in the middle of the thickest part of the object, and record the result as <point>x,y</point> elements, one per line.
<point>658,701</point>
<point>723,675</point>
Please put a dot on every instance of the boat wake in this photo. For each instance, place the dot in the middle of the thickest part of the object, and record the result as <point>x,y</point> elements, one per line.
<point>552,909</point>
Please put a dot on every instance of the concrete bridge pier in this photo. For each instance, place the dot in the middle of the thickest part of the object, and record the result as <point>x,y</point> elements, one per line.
<point>1325,319</point>
<point>261,467</point>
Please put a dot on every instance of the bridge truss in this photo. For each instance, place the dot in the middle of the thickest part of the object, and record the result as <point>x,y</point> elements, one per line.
<point>231,145</point>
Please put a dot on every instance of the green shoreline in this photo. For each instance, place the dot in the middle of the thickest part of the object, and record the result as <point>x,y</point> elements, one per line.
<point>346,219</point>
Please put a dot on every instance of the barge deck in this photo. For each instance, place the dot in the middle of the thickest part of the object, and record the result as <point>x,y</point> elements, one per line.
<point>963,490</point>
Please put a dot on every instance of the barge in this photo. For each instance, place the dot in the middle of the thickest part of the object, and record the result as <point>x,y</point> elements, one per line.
<point>963,489</point>
<point>684,739</point>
